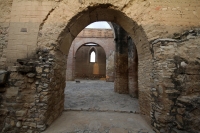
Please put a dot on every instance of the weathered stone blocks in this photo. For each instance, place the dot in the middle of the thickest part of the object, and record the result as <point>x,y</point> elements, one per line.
<point>170,64</point>
<point>12,92</point>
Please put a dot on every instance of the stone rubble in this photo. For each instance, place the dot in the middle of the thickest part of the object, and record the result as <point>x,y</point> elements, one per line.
<point>181,97</point>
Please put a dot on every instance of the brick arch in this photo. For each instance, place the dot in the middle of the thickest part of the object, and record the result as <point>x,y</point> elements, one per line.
<point>99,42</point>
<point>65,28</point>
<point>91,49</point>
<point>145,21</point>
<point>106,44</point>
<point>83,68</point>
<point>168,62</point>
<point>63,34</point>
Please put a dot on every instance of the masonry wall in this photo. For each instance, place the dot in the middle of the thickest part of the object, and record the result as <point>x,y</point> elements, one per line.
<point>132,69</point>
<point>5,11</point>
<point>85,69</point>
<point>26,18</point>
<point>168,92</point>
<point>102,37</point>
<point>5,15</point>
<point>110,67</point>
<point>177,95</point>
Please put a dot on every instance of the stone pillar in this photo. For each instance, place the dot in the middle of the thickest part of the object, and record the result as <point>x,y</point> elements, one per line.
<point>132,69</point>
<point>73,68</point>
<point>121,60</point>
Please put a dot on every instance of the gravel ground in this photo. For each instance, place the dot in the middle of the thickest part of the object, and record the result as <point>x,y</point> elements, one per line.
<point>97,95</point>
<point>94,107</point>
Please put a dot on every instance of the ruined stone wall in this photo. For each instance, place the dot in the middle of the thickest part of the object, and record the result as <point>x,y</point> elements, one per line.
<point>5,11</point>
<point>53,26</point>
<point>177,94</point>
<point>26,105</point>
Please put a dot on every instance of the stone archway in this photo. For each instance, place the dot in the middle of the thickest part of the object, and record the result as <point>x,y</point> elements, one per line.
<point>102,37</point>
<point>67,28</point>
<point>167,61</point>
<point>106,42</point>
<point>84,69</point>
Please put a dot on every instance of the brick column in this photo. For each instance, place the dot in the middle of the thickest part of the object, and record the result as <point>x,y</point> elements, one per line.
<point>121,60</point>
<point>73,68</point>
<point>132,68</point>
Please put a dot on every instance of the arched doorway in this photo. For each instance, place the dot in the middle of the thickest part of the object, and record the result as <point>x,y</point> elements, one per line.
<point>90,62</point>
<point>105,12</point>
<point>167,61</point>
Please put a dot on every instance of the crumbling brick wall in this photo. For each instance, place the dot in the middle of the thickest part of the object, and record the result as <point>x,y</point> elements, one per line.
<point>166,79</point>
<point>178,94</point>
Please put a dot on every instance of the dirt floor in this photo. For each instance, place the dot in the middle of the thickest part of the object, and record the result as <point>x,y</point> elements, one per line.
<point>94,107</point>
<point>97,95</point>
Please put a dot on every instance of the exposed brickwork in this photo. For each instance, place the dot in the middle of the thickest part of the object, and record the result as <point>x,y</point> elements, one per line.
<point>25,103</point>
<point>96,33</point>
<point>85,69</point>
<point>5,10</point>
<point>132,69</point>
<point>168,69</point>
<point>121,60</point>
<point>177,95</point>
<point>104,38</point>
<point>26,17</point>
<point>110,67</point>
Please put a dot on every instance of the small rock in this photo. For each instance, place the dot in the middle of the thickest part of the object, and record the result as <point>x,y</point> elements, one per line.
<point>46,65</point>
<point>46,70</point>
<point>21,113</point>
<point>3,76</point>
<point>30,80</point>
<point>44,75</point>
<point>191,37</point>
<point>18,124</point>
<point>50,59</point>
<point>38,69</point>
<point>30,131</point>
<point>12,123</point>
<point>12,91</point>
<point>183,64</point>
<point>31,75</point>
<point>155,93</point>
<point>41,127</point>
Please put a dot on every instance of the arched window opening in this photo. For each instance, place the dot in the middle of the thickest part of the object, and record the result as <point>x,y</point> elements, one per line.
<point>92,56</point>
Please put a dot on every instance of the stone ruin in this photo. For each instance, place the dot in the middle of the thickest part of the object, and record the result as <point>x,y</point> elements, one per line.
<point>36,36</point>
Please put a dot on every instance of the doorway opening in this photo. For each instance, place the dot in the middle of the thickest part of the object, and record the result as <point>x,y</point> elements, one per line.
<point>121,76</point>
<point>93,84</point>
